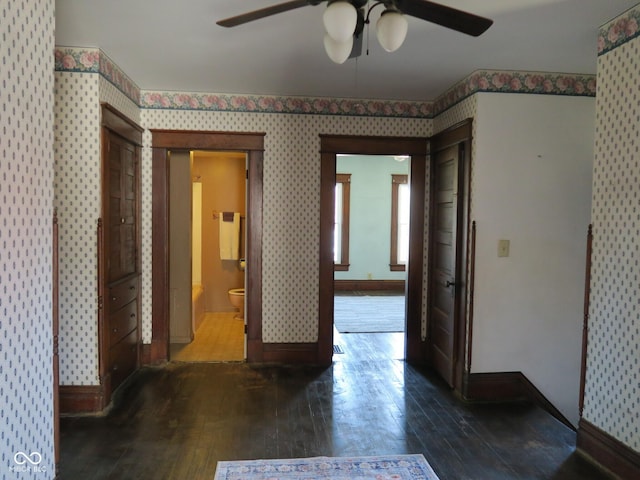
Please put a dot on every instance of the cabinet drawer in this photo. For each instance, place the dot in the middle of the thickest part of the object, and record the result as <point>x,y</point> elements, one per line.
<point>122,293</point>
<point>122,322</point>
<point>123,358</point>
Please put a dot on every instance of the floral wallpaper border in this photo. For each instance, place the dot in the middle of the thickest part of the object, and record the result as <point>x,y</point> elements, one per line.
<point>501,81</point>
<point>275,104</point>
<point>93,60</point>
<point>619,31</point>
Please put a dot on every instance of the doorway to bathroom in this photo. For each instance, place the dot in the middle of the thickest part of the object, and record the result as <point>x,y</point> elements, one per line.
<point>207,252</point>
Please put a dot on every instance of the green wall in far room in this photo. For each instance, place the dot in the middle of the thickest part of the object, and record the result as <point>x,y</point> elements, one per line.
<point>370,215</point>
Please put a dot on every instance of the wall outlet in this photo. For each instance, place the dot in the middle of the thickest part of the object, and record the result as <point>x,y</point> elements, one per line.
<point>503,248</point>
<point>369,276</point>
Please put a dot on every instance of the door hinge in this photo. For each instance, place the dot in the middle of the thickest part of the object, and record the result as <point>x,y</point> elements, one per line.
<point>246,174</point>
<point>100,302</point>
<point>245,329</point>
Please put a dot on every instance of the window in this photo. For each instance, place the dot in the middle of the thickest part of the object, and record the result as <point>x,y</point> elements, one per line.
<point>341,222</point>
<point>400,202</point>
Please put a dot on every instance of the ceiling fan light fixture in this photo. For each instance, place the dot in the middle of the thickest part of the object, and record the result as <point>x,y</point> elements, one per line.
<point>340,18</point>
<point>391,30</point>
<point>338,52</point>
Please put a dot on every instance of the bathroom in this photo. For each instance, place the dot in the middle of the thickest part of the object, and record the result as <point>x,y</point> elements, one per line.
<point>207,252</point>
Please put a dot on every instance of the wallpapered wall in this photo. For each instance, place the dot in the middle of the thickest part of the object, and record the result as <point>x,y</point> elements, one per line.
<point>77,181</point>
<point>26,213</point>
<point>613,389</point>
<point>291,165</point>
<point>291,204</point>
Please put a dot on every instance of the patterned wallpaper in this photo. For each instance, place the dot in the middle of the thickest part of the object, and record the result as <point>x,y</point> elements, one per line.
<point>291,205</point>
<point>77,173</point>
<point>612,400</point>
<point>26,212</point>
<point>290,255</point>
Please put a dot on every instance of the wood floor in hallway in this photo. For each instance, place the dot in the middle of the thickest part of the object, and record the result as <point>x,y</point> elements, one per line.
<point>179,420</point>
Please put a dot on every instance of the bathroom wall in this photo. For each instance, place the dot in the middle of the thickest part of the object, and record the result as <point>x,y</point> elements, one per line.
<point>223,180</point>
<point>370,216</point>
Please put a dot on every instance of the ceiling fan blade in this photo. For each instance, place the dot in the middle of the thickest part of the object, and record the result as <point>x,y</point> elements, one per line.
<point>445,16</point>
<point>265,12</point>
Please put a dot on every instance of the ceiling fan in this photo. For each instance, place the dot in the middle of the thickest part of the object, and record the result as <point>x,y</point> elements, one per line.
<point>344,21</point>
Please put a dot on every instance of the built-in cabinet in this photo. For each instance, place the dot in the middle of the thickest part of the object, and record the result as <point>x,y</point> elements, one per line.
<point>119,251</point>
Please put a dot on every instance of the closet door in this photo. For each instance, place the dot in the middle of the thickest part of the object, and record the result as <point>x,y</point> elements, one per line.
<point>122,205</point>
<point>119,251</point>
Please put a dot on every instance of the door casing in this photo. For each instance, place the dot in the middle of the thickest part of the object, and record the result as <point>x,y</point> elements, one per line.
<point>164,141</point>
<point>416,148</point>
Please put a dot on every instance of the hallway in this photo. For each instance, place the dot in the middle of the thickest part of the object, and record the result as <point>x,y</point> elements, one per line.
<point>177,421</point>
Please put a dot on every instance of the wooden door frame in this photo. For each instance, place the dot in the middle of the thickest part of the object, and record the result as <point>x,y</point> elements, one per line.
<point>417,149</point>
<point>163,141</point>
<point>457,135</point>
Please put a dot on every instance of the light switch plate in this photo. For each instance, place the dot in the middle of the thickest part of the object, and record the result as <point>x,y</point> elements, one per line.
<point>503,248</point>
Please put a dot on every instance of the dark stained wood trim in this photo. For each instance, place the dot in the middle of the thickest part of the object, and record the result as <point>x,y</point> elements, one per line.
<point>118,123</point>
<point>291,353</point>
<point>197,140</point>
<point>494,387</point>
<point>254,257</point>
<point>75,399</point>
<point>508,387</point>
<point>414,346</point>
<point>160,256</point>
<point>585,319</point>
<point>163,141</point>
<point>326,267</point>
<point>363,145</point>
<point>607,452</point>
<point>368,285</point>
<point>55,326</point>
<point>345,180</point>
<point>417,148</point>
<point>396,181</point>
<point>145,354</point>
<point>471,283</point>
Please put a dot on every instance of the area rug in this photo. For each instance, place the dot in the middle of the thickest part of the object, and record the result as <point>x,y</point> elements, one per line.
<point>369,314</point>
<point>389,467</point>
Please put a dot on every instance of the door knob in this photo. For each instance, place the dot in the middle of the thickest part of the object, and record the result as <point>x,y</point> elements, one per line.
<point>450,284</point>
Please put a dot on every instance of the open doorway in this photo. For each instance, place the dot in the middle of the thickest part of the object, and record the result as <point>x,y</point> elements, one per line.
<point>416,151</point>
<point>371,251</point>
<point>165,143</point>
<point>207,255</point>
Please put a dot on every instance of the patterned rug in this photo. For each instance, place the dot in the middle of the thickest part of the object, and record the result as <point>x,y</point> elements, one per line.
<point>369,314</point>
<point>390,467</point>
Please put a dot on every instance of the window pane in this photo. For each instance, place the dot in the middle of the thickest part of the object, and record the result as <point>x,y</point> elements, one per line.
<point>403,222</point>
<point>337,225</point>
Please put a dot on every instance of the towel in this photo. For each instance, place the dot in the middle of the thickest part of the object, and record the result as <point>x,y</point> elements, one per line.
<point>229,236</point>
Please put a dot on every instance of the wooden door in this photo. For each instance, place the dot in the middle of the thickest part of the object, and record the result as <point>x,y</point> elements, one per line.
<point>445,208</point>
<point>119,251</point>
<point>122,204</point>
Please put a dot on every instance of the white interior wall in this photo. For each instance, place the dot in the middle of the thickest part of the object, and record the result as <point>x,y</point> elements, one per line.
<point>532,186</point>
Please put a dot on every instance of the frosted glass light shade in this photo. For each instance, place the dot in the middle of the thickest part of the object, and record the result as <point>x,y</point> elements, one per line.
<point>340,20</point>
<point>338,52</point>
<point>391,30</point>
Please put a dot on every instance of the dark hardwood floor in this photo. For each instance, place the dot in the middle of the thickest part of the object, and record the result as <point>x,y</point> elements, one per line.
<point>177,421</point>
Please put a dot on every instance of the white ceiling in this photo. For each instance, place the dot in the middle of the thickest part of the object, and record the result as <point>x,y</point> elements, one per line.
<point>169,45</point>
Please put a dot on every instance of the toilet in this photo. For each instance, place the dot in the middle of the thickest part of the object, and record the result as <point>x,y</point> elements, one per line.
<point>236,297</point>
